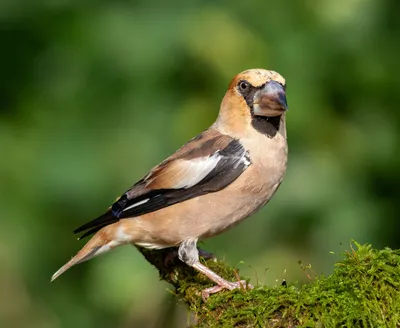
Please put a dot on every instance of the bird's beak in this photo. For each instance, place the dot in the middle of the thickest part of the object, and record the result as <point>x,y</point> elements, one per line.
<point>270,101</point>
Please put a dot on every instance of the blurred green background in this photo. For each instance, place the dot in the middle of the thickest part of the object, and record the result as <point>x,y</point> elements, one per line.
<point>94,93</point>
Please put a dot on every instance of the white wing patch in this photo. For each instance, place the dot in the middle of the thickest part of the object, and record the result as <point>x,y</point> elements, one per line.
<point>136,204</point>
<point>197,169</point>
<point>246,159</point>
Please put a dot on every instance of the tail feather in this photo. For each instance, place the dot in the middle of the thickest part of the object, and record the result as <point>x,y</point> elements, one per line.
<point>95,246</point>
<point>96,224</point>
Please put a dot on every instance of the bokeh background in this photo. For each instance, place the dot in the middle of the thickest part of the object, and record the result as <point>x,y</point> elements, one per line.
<point>94,93</point>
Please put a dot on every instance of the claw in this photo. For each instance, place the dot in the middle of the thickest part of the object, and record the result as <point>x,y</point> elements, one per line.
<point>242,284</point>
<point>189,253</point>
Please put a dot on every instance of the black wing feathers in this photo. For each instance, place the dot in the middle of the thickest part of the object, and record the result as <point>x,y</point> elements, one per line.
<point>233,161</point>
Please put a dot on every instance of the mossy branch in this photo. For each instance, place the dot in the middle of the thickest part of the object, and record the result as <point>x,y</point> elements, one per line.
<point>363,291</point>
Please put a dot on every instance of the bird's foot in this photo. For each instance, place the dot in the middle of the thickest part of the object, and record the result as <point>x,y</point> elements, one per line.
<point>242,284</point>
<point>221,282</point>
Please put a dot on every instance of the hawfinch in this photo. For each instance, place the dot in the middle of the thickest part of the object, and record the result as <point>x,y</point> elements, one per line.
<point>212,183</point>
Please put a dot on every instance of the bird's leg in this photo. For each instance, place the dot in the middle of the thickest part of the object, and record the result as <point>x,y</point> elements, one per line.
<point>173,254</point>
<point>189,254</point>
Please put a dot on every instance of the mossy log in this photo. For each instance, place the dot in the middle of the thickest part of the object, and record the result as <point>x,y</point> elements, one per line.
<point>363,291</point>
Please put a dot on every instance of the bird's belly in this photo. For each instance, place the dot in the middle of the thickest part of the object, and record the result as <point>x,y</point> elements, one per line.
<point>211,214</point>
<point>237,208</point>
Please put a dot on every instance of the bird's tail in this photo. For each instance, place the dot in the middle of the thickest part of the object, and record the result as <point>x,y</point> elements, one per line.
<point>98,244</point>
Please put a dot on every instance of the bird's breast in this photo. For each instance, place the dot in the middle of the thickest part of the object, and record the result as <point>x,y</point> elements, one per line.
<point>210,214</point>
<point>268,156</point>
<point>253,189</point>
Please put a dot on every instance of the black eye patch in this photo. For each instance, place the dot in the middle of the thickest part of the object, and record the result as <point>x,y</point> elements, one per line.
<point>247,91</point>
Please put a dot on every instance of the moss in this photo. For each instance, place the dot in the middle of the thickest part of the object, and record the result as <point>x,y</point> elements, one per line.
<point>363,291</point>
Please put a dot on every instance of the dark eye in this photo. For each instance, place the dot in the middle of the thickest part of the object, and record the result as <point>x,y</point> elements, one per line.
<point>244,86</point>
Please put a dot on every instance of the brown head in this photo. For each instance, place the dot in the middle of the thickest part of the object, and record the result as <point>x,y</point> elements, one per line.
<point>254,97</point>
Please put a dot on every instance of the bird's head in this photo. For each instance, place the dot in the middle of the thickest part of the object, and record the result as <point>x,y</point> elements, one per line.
<point>253,95</point>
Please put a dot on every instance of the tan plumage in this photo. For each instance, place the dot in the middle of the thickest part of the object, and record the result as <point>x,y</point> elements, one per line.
<point>210,184</point>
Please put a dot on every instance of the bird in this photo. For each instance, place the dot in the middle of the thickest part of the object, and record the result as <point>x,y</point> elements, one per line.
<point>213,182</point>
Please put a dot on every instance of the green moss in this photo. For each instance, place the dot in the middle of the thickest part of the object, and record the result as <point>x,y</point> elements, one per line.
<point>363,291</point>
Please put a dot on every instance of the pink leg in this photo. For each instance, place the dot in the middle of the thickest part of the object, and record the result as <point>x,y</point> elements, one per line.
<point>221,282</point>
<point>189,254</point>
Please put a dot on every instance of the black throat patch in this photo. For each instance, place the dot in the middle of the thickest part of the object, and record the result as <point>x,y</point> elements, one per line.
<point>265,125</point>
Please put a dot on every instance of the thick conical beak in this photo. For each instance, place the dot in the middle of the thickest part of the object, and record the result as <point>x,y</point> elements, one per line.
<point>270,100</point>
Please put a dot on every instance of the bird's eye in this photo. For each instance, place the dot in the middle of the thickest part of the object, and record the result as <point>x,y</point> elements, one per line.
<point>244,86</point>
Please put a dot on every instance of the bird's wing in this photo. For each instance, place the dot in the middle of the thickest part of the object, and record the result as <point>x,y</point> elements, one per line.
<point>207,163</point>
